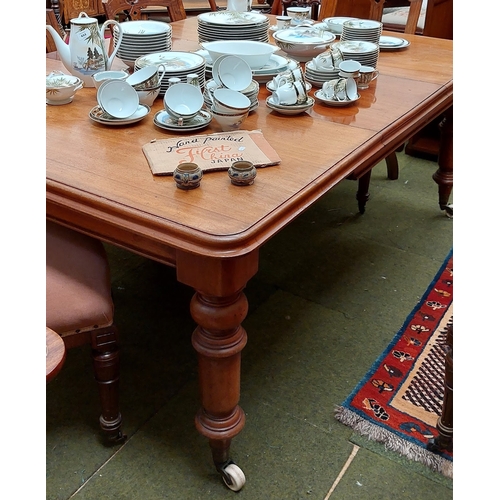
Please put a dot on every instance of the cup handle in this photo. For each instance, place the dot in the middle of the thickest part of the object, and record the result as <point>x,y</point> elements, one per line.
<point>375,74</point>
<point>162,66</point>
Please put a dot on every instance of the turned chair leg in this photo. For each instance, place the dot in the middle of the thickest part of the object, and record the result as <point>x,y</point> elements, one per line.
<point>444,426</point>
<point>106,361</point>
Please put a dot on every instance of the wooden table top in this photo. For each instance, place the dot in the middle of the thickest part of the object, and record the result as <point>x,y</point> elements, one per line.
<point>98,179</point>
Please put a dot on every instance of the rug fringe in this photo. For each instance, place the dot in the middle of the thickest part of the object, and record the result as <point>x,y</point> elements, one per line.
<point>393,442</point>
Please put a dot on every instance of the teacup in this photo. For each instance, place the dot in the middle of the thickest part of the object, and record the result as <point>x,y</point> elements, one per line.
<point>290,93</point>
<point>298,14</point>
<point>340,89</point>
<point>183,101</point>
<point>228,121</point>
<point>288,76</point>
<point>118,98</point>
<point>148,96</point>
<point>323,61</point>
<point>230,101</point>
<point>232,72</point>
<point>147,78</point>
<point>349,69</point>
<point>366,75</point>
<point>283,22</point>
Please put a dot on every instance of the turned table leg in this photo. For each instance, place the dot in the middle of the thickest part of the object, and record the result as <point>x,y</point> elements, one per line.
<point>444,174</point>
<point>363,195</point>
<point>219,306</point>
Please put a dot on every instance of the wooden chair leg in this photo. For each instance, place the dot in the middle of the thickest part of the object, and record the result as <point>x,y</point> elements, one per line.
<point>106,360</point>
<point>391,161</point>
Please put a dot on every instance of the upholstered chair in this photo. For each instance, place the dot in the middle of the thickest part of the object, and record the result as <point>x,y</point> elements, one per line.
<point>79,307</point>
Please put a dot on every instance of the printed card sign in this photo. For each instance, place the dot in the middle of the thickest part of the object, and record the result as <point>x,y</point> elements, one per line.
<point>210,151</point>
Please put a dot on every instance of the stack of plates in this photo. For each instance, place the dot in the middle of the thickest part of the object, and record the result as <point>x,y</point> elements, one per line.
<point>229,25</point>
<point>365,53</point>
<point>141,38</point>
<point>252,92</point>
<point>335,23</point>
<point>176,64</point>
<point>317,77</point>
<point>275,65</point>
<point>361,29</point>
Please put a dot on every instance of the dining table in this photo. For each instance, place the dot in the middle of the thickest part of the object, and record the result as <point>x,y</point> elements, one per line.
<point>99,182</point>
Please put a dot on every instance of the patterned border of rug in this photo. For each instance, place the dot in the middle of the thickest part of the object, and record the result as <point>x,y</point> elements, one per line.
<point>399,400</point>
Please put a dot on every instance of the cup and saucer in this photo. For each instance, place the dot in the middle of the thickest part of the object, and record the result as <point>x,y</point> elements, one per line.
<point>201,120</point>
<point>98,115</point>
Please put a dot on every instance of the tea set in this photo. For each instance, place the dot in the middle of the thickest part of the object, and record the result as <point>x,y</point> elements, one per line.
<point>124,98</point>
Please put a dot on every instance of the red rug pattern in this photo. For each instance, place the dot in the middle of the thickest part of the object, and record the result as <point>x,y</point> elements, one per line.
<point>399,400</point>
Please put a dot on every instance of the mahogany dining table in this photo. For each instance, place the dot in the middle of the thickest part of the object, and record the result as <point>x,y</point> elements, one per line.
<point>98,181</point>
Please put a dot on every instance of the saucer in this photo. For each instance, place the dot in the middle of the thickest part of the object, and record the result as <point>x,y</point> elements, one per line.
<point>392,43</point>
<point>163,120</point>
<point>329,102</point>
<point>271,88</point>
<point>98,115</point>
<point>293,109</point>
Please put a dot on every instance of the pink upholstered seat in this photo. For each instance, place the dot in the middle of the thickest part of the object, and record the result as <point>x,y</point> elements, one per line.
<point>78,282</point>
<point>79,307</point>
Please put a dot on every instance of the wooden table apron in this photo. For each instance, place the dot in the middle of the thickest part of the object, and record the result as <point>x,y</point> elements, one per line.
<point>99,183</point>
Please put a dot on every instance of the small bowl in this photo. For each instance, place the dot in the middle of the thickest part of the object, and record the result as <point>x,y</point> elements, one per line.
<point>102,76</point>
<point>148,96</point>
<point>118,98</point>
<point>61,88</point>
<point>302,44</point>
<point>183,101</point>
<point>230,101</point>
<point>229,121</point>
<point>234,73</point>
<point>242,173</point>
<point>256,54</point>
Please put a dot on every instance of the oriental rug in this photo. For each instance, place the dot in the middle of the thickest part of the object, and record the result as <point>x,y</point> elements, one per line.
<point>399,400</point>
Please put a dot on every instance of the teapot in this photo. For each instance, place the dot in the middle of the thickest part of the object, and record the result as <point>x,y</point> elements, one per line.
<point>86,53</point>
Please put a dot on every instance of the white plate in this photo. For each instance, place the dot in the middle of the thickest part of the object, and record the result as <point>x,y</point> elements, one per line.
<point>98,115</point>
<point>387,43</point>
<point>232,18</point>
<point>145,27</point>
<point>328,102</point>
<point>163,120</point>
<point>292,109</point>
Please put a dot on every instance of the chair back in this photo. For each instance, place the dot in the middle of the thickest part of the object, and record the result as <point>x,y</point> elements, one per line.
<point>371,9</point>
<point>133,9</point>
<point>51,20</point>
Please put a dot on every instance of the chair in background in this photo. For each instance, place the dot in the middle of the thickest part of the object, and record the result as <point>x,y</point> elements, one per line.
<point>280,6</point>
<point>373,9</point>
<point>79,307</point>
<point>51,20</point>
<point>134,10</point>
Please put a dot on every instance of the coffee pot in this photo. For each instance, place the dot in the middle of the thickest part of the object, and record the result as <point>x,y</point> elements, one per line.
<point>86,53</point>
